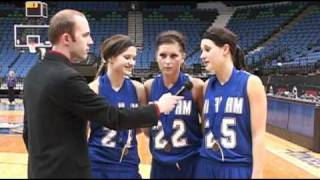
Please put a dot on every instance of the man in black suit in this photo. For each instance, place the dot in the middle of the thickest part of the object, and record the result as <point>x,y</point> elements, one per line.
<point>58,102</point>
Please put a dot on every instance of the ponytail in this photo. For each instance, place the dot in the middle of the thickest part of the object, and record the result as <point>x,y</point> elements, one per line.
<point>239,59</point>
<point>101,68</point>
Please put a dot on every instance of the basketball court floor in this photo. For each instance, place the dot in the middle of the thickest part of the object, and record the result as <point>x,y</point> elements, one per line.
<point>283,159</point>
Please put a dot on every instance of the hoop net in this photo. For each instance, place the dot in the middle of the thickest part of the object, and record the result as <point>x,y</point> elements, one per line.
<point>32,47</point>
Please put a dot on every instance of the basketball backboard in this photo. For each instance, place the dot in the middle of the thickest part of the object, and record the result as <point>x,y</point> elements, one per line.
<point>24,35</point>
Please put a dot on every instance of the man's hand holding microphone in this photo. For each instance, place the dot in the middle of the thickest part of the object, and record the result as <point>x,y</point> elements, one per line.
<point>168,101</point>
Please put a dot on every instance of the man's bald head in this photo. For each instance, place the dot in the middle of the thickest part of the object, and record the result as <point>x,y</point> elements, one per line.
<point>63,22</point>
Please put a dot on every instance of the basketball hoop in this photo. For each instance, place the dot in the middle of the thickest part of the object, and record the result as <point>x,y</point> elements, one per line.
<point>32,47</point>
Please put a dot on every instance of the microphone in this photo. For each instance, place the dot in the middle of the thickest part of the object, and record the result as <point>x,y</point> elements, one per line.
<point>187,86</point>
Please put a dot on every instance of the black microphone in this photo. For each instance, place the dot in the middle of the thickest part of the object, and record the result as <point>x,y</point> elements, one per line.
<point>187,86</point>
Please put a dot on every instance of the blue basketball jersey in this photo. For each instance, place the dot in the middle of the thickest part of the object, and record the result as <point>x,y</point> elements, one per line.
<point>180,129</point>
<point>227,120</point>
<point>106,145</point>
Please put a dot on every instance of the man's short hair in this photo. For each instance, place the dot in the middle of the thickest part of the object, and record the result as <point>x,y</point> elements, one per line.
<point>62,22</point>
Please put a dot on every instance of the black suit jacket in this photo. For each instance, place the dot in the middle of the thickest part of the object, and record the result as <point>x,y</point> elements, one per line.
<point>58,103</point>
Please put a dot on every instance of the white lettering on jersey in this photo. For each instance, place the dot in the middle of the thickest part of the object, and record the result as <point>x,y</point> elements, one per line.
<point>183,107</point>
<point>206,106</point>
<point>234,105</point>
<point>121,104</point>
<point>134,105</point>
<point>217,101</point>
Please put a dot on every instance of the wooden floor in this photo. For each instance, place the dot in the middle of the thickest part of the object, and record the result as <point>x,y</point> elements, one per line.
<point>283,159</point>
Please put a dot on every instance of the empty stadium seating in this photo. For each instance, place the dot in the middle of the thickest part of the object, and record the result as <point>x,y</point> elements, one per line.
<point>191,23</point>
<point>293,47</point>
<point>297,46</point>
<point>255,24</point>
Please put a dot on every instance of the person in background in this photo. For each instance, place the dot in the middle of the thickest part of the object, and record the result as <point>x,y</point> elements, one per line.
<point>235,111</point>
<point>11,84</point>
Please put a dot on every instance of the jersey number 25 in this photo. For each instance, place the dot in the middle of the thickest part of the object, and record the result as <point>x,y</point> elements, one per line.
<point>229,140</point>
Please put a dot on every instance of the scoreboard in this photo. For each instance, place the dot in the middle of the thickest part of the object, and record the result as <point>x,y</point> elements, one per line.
<point>36,9</point>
